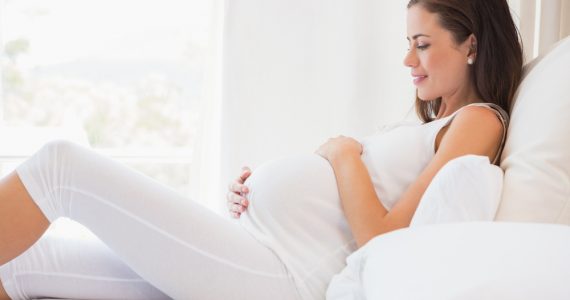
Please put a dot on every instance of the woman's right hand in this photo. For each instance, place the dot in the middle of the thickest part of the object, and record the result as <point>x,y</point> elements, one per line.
<point>237,203</point>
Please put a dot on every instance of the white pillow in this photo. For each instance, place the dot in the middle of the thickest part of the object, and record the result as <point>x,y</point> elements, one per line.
<point>536,158</point>
<point>467,188</point>
<point>465,261</point>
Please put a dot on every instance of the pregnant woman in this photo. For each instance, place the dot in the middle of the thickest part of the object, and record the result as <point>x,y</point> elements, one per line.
<point>299,218</point>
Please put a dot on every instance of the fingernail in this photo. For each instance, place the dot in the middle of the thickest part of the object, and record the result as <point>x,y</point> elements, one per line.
<point>244,202</point>
<point>244,189</point>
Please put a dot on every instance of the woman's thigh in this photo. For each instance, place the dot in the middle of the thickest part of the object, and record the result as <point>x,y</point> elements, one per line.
<point>179,246</point>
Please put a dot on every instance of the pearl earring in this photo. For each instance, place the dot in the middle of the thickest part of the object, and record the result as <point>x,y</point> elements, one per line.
<point>470,61</point>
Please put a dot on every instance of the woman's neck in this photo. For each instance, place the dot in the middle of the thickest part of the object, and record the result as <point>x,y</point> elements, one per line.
<point>454,102</point>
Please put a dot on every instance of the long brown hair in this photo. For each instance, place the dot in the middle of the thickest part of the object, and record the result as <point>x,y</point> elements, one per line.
<point>497,71</point>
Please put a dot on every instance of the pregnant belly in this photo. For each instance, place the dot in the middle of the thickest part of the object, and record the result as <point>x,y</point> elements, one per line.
<point>294,202</point>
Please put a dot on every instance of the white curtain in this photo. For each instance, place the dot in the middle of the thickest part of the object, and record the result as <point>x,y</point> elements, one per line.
<point>542,23</point>
<point>205,170</point>
<point>294,73</point>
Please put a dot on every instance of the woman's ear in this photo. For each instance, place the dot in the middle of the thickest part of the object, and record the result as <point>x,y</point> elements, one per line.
<point>472,44</point>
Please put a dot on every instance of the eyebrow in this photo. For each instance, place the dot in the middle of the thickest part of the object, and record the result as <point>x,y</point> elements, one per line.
<point>417,35</point>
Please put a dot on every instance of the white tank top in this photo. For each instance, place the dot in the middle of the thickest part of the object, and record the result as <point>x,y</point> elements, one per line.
<point>295,209</point>
<point>411,148</point>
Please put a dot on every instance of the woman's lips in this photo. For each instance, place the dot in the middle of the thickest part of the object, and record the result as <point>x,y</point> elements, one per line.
<point>418,78</point>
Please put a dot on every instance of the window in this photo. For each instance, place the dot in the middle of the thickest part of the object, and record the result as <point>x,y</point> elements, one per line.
<point>124,77</point>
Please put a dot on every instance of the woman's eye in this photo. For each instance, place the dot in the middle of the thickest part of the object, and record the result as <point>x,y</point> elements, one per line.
<point>422,47</point>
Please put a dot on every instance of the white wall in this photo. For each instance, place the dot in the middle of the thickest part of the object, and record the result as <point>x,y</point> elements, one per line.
<point>299,71</point>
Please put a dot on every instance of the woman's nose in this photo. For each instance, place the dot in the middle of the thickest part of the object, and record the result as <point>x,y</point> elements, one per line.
<point>411,59</point>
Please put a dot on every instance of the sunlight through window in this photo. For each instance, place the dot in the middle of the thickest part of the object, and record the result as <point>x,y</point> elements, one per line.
<point>124,77</point>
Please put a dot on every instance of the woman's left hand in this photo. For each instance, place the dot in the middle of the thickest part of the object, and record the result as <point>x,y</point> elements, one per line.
<point>338,147</point>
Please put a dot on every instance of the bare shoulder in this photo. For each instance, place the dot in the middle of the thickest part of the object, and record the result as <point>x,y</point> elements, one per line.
<point>480,116</point>
<point>474,130</point>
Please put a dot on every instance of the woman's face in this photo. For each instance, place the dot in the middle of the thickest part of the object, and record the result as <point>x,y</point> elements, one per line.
<point>439,65</point>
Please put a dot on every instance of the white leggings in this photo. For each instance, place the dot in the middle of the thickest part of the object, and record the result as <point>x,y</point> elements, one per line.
<point>73,266</point>
<point>173,243</point>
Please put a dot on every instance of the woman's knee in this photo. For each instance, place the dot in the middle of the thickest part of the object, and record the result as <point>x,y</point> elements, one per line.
<point>60,147</point>
<point>57,152</point>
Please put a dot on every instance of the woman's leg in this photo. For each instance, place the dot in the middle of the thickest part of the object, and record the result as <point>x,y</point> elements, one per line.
<point>177,245</point>
<point>3,294</point>
<point>69,266</point>
<point>21,222</point>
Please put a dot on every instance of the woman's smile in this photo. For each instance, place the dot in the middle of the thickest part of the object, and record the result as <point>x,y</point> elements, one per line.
<point>418,79</point>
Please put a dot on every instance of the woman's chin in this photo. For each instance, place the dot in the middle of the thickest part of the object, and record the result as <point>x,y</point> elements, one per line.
<point>426,98</point>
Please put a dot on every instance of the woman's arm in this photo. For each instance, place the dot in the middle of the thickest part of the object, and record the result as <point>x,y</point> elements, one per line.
<point>475,130</point>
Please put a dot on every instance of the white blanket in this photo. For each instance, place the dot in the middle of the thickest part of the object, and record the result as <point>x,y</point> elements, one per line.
<point>467,188</point>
